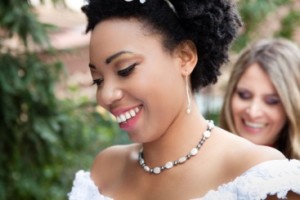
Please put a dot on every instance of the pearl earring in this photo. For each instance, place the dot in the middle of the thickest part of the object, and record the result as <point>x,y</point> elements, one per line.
<point>188,109</point>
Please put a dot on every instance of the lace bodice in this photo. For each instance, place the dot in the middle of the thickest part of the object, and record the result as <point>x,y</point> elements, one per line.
<point>276,177</point>
<point>84,188</point>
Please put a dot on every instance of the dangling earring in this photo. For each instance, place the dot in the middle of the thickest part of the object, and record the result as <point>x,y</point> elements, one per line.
<point>188,109</point>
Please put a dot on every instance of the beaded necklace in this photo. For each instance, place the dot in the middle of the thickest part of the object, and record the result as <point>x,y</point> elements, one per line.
<point>157,170</point>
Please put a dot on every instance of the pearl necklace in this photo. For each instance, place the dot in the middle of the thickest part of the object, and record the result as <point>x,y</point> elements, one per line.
<point>157,170</point>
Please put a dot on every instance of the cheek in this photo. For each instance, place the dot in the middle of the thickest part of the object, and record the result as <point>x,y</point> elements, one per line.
<point>237,105</point>
<point>98,99</point>
<point>162,98</point>
<point>278,116</point>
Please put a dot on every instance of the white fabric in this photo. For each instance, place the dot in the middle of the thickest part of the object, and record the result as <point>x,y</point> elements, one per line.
<point>275,177</point>
<point>84,188</point>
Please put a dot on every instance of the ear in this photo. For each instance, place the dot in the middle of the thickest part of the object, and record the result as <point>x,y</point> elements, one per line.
<point>187,54</point>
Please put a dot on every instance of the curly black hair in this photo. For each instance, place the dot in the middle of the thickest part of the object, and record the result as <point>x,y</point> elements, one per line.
<point>210,24</point>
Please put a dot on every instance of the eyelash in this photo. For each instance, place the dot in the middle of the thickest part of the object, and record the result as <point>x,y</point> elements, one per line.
<point>127,71</point>
<point>97,82</point>
<point>272,101</point>
<point>243,95</point>
<point>124,72</point>
<point>269,101</point>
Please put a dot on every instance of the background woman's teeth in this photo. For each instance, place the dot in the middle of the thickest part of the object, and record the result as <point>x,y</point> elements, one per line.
<point>254,125</point>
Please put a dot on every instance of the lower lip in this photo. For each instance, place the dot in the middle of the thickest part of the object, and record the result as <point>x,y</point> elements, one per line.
<point>252,130</point>
<point>130,123</point>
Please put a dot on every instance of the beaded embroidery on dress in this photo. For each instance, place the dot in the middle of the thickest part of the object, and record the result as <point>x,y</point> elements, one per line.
<point>276,177</point>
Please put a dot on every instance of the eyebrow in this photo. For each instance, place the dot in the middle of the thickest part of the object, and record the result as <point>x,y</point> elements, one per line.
<point>111,58</point>
<point>114,56</point>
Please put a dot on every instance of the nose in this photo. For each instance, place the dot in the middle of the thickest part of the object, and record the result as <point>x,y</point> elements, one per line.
<point>254,109</point>
<point>108,94</point>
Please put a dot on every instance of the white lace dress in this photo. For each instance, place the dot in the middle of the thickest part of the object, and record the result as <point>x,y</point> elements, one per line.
<point>276,177</point>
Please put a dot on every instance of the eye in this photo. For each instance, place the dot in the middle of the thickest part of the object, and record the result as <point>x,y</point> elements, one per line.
<point>127,71</point>
<point>244,94</point>
<point>272,100</point>
<point>97,81</point>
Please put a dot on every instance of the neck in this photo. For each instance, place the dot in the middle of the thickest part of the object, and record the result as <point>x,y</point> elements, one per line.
<point>177,140</point>
<point>182,159</point>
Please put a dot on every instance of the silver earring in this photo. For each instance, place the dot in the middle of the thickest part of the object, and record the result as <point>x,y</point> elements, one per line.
<point>188,109</point>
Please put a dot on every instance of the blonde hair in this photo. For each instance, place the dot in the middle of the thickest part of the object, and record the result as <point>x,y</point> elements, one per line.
<point>280,59</point>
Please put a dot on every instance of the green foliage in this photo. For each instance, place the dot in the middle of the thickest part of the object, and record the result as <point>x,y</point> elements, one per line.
<point>289,24</point>
<point>43,140</point>
<point>253,12</point>
<point>17,18</point>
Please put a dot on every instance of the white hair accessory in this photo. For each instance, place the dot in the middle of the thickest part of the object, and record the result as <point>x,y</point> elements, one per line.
<point>141,1</point>
<point>167,1</point>
<point>171,6</point>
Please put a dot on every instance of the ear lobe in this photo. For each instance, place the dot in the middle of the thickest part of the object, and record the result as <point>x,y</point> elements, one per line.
<point>187,53</point>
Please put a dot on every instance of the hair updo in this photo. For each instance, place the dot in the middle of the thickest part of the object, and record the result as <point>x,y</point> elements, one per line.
<point>210,24</point>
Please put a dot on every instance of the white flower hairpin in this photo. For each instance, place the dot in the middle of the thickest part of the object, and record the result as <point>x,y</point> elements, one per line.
<point>141,1</point>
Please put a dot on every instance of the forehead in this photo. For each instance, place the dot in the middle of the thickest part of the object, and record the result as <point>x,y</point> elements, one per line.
<point>113,35</point>
<point>255,78</point>
<point>114,29</point>
<point>117,25</point>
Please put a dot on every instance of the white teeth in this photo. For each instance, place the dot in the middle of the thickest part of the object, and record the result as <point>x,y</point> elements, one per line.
<point>123,118</point>
<point>127,115</point>
<point>132,113</point>
<point>254,125</point>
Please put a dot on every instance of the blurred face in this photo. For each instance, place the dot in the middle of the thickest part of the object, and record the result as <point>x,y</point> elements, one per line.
<point>257,111</point>
<point>137,80</point>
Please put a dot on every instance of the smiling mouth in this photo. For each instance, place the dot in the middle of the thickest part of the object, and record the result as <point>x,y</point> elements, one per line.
<point>124,117</point>
<point>254,125</point>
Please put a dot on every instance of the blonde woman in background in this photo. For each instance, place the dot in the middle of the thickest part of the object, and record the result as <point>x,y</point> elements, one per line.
<point>262,100</point>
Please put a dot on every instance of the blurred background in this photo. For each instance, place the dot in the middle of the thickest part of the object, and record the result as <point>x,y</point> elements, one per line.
<point>50,125</point>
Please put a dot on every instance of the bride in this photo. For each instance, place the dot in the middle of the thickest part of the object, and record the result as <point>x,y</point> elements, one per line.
<point>147,58</point>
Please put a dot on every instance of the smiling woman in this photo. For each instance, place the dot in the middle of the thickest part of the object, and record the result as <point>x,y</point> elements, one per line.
<point>262,98</point>
<point>146,59</point>
<point>256,108</point>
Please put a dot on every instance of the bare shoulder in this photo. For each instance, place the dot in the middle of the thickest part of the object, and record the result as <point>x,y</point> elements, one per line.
<point>242,154</point>
<point>109,163</point>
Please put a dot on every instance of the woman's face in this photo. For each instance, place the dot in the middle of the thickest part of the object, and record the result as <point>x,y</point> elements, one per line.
<point>137,80</point>
<point>256,107</point>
